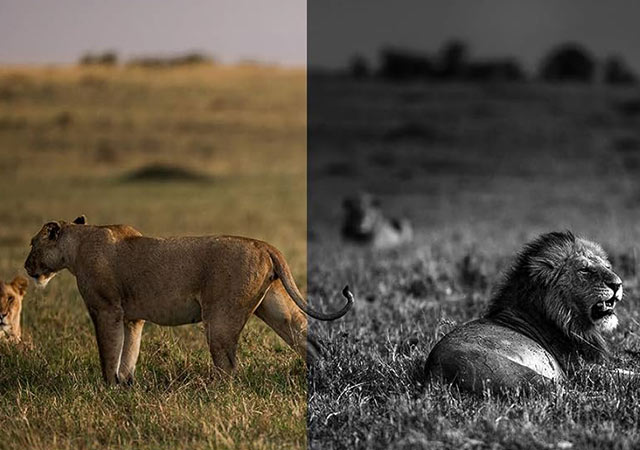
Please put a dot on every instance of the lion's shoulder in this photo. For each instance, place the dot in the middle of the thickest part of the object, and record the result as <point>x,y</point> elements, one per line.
<point>120,231</point>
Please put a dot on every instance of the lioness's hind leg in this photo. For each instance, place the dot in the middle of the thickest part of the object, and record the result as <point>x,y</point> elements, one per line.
<point>222,336</point>
<point>280,312</point>
<point>130,350</point>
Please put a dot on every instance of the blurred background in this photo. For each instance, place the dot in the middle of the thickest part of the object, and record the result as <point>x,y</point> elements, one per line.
<point>179,119</point>
<point>465,109</point>
<point>485,123</point>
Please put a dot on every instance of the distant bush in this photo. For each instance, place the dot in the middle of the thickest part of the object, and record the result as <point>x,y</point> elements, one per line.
<point>164,172</point>
<point>171,61</point>
<point>108,58</point>
<point>568,62</point>
<point>616,71</point>
<point>507,69</point>
<point>451,64</point>
<point>359,67</point>
<point>401,65</point>
<point>453,60</point>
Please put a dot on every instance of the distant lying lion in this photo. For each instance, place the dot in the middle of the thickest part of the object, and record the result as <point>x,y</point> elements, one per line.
<point>11,295</point>
<point>365,223</point>
<point>550,311</point>
<point>126,278</point>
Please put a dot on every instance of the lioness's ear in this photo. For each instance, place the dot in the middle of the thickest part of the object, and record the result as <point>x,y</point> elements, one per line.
<point>80,220</point>
<point>20,284</point>
<point>53,230</point>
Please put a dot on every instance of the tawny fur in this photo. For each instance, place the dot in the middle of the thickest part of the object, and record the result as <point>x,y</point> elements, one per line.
<point>126,279</point>
<point>539,322</point>
<point>11,296</point>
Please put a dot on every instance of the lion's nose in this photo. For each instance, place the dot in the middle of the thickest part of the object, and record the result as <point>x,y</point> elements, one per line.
<point>613,285</point>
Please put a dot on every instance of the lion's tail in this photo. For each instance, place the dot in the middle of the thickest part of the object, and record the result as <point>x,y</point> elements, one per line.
<point>283,272</point>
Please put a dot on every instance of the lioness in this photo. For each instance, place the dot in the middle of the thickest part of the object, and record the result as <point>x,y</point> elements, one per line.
<point>551,309</point>
<point>126,278</point>
<point>11,295</point>
<point>365,223</point>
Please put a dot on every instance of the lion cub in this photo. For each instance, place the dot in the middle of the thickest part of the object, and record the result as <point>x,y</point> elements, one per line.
<point>11,295</point>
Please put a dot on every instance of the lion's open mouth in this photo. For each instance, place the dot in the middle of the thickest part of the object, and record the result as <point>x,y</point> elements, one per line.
<point>603,309</point>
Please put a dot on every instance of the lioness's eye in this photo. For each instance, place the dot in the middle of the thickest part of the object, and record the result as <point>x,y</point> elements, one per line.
<point>584,270</point>
<point>11,298</point>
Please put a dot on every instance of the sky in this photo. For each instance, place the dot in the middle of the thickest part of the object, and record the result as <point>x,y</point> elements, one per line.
<point>275,31</point>
<point>60,31</point>
<point>526,29</point>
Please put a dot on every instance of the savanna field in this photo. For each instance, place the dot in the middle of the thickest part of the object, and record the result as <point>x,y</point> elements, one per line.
<point>174,151</point>
<point>480,169</point>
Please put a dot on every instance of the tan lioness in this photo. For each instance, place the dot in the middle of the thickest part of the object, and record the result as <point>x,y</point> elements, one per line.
<point>126,278</point>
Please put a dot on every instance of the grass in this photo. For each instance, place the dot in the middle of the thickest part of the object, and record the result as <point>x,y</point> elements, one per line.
<point>69,137</point>
<point>480,170</point>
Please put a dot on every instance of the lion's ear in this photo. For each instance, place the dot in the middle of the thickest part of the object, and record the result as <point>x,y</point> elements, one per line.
<point>80,220</point>
<point>53,230</point>
<point>20,284</point>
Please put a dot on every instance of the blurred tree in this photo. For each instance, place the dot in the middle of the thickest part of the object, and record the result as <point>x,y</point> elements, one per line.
<point>359,67</point>
<point>616,71</point>
<point>108,58</point>
<point>568,62</point>
<point>402,65</point>
<point>453,60</point>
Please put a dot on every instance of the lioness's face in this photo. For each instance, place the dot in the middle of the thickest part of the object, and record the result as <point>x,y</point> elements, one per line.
<point>362,213</point>
<point>45,258</point>
<point>11,295</point>
<point>599,289</point>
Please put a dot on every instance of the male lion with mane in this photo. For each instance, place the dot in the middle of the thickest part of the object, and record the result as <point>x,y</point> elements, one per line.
<point>126,278</point>
<point>549,312</point>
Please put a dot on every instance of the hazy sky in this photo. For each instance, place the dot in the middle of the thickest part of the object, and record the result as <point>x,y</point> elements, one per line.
<point>523,28</point>
<point>44,31</point>
<point>51,31</point>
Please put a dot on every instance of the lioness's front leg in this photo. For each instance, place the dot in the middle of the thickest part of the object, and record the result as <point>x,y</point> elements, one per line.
<point>130,350</point>
<point>110,336</point>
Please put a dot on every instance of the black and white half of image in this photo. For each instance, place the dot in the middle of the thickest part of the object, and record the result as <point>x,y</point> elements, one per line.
<point>473,176</point>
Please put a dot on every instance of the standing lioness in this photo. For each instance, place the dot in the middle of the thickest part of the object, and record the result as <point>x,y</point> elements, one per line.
<point>126,278</point>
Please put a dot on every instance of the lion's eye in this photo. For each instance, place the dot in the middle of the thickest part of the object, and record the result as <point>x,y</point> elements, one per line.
<point>11,298</point>
<point>585,269</point>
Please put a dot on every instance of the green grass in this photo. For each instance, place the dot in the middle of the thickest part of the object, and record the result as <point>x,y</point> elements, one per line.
<point>483,170</point>
<point>69,137</point>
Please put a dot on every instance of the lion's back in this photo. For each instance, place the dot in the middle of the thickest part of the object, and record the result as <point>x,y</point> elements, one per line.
<point>483,354</point>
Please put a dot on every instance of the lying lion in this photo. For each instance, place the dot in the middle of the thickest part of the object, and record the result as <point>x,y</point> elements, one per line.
<point>550,311</point>
<point>126,278</point>
<point>365,223</point>
<point>11,295</point>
